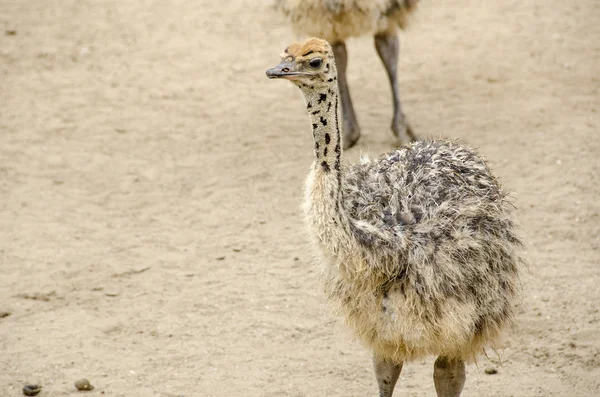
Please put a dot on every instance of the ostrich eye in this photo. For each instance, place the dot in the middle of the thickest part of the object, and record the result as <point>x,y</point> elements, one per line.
<point>315,63</point>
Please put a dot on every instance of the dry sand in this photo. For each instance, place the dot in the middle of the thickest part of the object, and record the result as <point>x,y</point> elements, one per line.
<point>151,178</point>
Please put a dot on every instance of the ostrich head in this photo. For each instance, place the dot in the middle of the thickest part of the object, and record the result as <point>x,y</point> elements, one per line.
<point>308,64</point>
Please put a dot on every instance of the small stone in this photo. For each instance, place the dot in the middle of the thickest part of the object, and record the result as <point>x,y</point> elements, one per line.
<point>83,385</point>
<point>32,390</point>
<point>491,371</point>
<point>4,314</point>
<point>13,33</point>
<point>220,258</point>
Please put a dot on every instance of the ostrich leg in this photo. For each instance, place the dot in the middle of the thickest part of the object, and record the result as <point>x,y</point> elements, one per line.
<point>350,126</point>
<point>388,48</point>
<point>448,376</point>
<point>387,374</point>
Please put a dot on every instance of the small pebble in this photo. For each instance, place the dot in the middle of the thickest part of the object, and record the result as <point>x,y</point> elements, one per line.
<point>32,390</point>
<point>4,314</point>
<point>83,385</point>
<point>491,371</point>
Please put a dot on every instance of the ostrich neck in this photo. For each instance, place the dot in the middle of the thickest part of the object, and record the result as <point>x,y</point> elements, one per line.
<point>324,188</point>
<point>322,107</point>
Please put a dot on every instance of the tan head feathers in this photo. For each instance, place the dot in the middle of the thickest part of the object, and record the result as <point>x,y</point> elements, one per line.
<point>307,47</point>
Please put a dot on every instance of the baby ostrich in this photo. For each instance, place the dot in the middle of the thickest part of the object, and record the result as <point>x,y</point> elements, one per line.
<point>418,248</point>
<point>338,20</point>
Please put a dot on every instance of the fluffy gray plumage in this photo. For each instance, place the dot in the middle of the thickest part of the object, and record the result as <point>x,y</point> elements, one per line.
<point>432,219</point>
<point>338,20</point>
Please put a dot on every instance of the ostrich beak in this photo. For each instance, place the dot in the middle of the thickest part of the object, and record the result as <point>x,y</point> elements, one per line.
<point>285,70</point>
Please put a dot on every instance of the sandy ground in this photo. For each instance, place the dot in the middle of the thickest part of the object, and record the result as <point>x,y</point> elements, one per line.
<point>151,179</point>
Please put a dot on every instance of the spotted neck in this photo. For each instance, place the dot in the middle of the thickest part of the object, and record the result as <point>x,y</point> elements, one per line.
<point>324,204</point>
<point>322,107</point>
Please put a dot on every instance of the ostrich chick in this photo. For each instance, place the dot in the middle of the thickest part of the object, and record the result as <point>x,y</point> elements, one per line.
<point>338,20</point>
<point>417,248</point>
